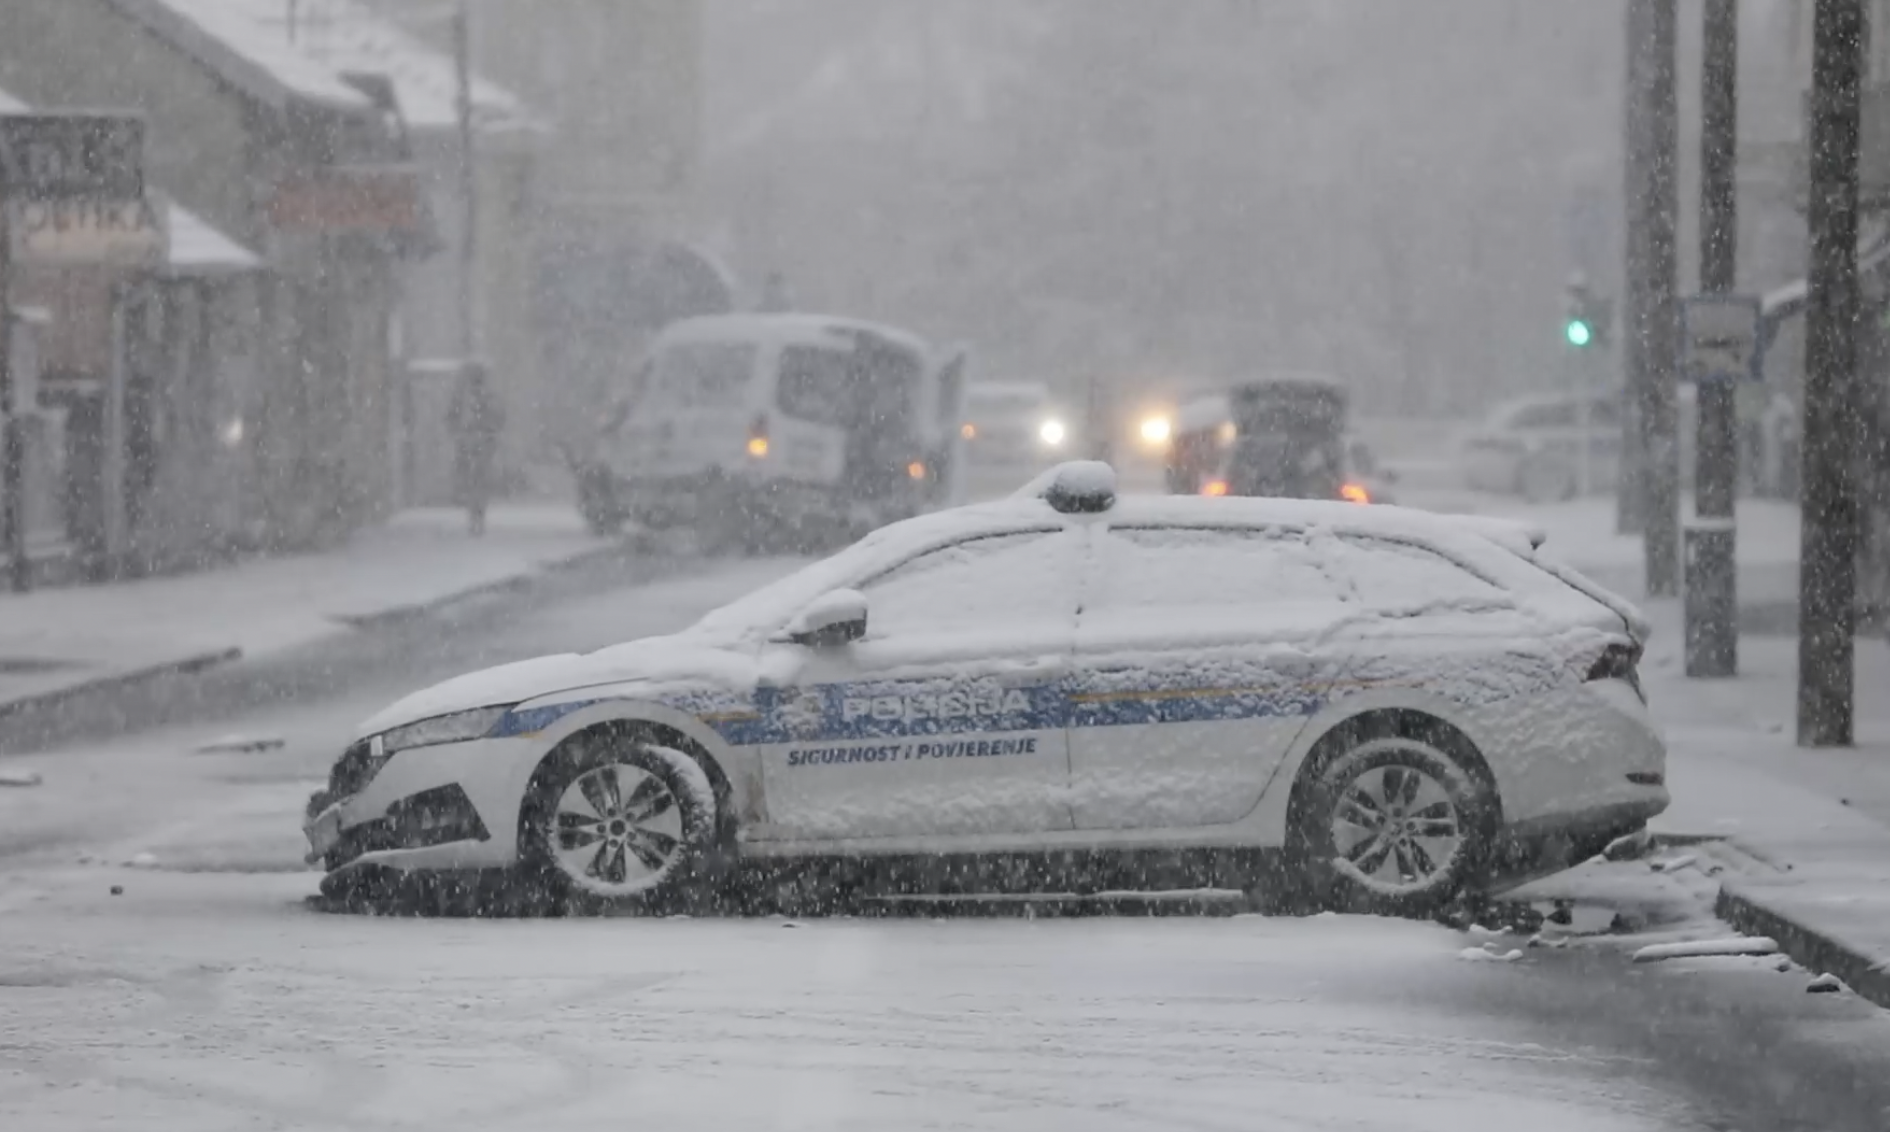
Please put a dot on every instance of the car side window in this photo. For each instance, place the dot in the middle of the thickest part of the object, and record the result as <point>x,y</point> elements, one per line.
<point>1407,580</point>
<point>1170,567</point>
<point>996,580</point>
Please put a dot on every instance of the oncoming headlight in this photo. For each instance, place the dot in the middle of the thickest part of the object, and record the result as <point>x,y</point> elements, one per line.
<point>1051,432</point>
<point>455,728</point>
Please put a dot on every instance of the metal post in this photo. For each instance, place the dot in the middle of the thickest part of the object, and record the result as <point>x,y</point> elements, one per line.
<point>1659,326</point>
<point>1712,589</point>
<point>1828,531</point>
<point>468,183</point>
<point>112,443</point>
<point>12,443</point>
<point>1631,480</point>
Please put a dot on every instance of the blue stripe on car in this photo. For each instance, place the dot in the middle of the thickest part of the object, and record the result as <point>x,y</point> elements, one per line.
<point>529,721</point>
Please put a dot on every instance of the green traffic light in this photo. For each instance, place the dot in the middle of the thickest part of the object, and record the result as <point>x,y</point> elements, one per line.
<point>1579,332</point>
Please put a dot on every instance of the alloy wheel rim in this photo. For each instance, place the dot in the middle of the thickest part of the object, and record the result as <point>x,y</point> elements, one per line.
<point>1398,826</point>
<point>616,828</point>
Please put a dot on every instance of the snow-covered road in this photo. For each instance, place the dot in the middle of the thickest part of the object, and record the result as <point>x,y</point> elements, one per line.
<point>205,995</point>
<point>198,1001</point>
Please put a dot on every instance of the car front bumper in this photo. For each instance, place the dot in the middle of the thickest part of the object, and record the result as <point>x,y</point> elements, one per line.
<point>451,806</point>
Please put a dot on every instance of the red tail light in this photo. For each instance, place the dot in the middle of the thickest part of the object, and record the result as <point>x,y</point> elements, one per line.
<point>1619,662</point>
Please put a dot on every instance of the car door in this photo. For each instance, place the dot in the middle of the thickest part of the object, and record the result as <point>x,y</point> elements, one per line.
<point>948,718</point>
<point>1432,623</point>
<point>1199,656</point>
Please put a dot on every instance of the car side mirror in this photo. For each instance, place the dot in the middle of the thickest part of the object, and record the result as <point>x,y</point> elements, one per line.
<point>830,620</point>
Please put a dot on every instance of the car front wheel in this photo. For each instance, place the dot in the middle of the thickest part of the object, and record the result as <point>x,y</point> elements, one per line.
<point>613,823</point>
<point>1393,824</point>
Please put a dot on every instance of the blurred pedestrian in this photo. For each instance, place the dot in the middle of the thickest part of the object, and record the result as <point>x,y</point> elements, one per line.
<point>476,417</point>
<point>776,297</point>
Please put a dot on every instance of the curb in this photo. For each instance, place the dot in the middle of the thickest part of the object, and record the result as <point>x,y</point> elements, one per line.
<point>183,666</point>
<point>380,619</point>
<point>511,583</point>
<point>1810,948</point>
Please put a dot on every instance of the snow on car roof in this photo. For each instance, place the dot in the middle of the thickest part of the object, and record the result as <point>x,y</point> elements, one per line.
<point>1470,538</point>
<point>1204,412</point>
<point>783,328</point>
<point>1007,391</point>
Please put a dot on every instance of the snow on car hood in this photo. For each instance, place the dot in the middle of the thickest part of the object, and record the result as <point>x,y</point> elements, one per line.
<point>693,660</point>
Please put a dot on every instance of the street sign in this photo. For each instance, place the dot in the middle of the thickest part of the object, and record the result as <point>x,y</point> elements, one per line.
<point>59,156</point>
<point>1719,338</point>
<point>350,199</point>
<point>58,233</point>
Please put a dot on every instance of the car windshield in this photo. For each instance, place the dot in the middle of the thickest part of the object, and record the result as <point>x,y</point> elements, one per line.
<point>882,565</point>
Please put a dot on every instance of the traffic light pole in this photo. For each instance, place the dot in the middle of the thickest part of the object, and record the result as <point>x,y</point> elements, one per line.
<point>1712,585</point>
<point>1828,530</point>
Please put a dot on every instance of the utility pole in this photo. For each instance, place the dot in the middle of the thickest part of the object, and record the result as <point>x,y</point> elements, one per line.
<point>468,184</point>
<point>1630,504</point>
<point>12,443</point>
<point>1712,577</point>
<point>1828,530</point>
<point>1649,494</point>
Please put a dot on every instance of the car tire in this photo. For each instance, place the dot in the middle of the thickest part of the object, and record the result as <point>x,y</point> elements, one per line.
<point>1546,481</point>
<point>612,823</point>
<point>1392,822</point>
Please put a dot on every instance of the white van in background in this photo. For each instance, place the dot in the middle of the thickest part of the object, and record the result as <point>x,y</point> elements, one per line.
<point>785,431</point>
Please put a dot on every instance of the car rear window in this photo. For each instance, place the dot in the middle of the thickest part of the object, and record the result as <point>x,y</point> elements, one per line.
<point>815,384</point>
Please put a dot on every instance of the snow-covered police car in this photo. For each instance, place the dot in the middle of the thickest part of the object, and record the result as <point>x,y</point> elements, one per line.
<point>1405,703</point>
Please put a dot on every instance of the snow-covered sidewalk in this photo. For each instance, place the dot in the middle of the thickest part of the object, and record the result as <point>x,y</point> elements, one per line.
<point>1819,818</point>
<point>59,641</point>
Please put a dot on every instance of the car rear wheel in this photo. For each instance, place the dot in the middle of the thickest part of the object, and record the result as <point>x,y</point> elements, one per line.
<point>1392,824</point>
<point>613,823</point>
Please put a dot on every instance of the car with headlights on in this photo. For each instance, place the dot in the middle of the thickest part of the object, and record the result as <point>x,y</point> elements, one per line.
<point>1391,706</point>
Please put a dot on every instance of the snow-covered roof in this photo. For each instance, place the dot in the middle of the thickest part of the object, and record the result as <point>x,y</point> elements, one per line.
<point>249,43</point>
<point>237,40</point>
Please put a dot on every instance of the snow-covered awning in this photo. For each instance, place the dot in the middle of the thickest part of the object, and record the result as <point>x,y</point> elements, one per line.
<point>199,250</point>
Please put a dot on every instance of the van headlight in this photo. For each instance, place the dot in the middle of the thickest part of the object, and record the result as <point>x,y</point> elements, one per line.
<point>458,727</point>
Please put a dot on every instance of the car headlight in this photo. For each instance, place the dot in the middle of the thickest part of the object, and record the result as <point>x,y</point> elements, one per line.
<point>1051,432</point>
<point>455,728</point>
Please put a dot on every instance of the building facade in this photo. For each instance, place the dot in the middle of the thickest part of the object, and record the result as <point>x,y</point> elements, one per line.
<point>618,86</point>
